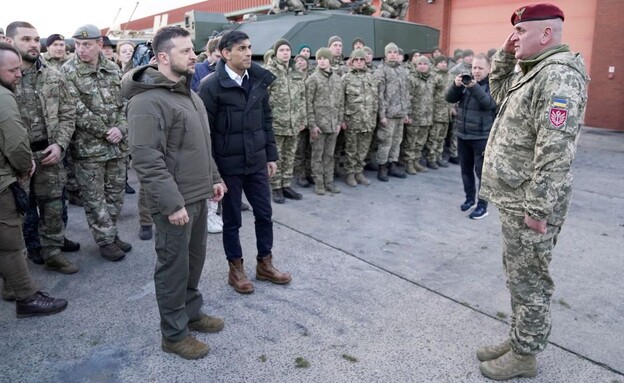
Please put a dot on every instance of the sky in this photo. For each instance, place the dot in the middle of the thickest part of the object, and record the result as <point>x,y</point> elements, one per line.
<point>65,17</point>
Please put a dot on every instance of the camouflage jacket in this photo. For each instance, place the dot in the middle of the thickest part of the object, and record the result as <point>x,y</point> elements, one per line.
<point>421,90</point>
<point>441,108</point>
<point>99,107</point>
<point>338,66</point>
<point>393,88</point>
<point>324,101</point>
<point>287,99</point>
<point>359,89</point>
<point>52,62</point>
<point>15,154</point>
<point>57,105</point>
<point>533,140</point>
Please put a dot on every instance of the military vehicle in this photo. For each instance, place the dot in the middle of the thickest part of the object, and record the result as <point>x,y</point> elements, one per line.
<point>314,29</point>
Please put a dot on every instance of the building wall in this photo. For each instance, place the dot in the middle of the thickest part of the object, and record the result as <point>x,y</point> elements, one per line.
<point>605,107</point>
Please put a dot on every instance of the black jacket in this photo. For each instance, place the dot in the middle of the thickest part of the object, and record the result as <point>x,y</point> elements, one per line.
<point>476,111</point>
<point>241,127</point>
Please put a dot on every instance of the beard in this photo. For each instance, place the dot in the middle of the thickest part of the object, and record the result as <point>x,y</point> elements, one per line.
<point>5,84</point>
<point>26,56</point>
<point>183,70</point>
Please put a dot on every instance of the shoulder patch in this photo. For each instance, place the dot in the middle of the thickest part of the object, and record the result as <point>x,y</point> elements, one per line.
<point>558,113</point>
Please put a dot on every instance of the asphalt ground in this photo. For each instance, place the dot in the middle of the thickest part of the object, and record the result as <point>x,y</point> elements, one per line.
<point>391,283</point>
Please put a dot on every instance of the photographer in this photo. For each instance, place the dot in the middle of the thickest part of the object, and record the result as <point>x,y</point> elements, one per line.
<point>475,115</point>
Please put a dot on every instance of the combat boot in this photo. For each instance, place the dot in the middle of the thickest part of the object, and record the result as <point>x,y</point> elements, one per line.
<point>419,168</point>
<point>70,246</point>
<point>61,264</point>
<point>187,348</point>
<point>265,271</point>
<point>433,165</point>
<point>74,198</point>
<point>382,174</point>
<point>238,277</point>
<point>492,352</point>
<point>351,180</point>
<point>510,365</point>
<point>396,171</point>
<point>278,196</point>
<point>35,256</point>
<point>359,177</point>
<point>39,304</point>
<point>124,246</point>
<point>331,187</point>
<point>303,182</point>
<point>112,252</point>
<point>290,193</point>
<point>442,163</point>
<point>319,186</point>
<point>410,169</point>
<point>207,324</point>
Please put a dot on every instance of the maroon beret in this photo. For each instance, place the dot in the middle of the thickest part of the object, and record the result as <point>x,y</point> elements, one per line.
<point>532,12</point>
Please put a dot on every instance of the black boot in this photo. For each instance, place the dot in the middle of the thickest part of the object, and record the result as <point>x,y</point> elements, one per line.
<point>129,189</point>
<point>69,246</point>
<point>396,171</point>
<point>290,193</point>
<point>35,256</point>
<point>278,196</point>
<point>382,174</point>
<point>39,304</point>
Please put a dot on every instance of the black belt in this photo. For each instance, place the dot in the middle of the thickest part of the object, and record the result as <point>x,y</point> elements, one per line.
<point>38,146</point>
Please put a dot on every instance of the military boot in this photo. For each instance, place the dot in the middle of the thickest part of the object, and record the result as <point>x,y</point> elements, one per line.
<point>35,256</point>
<point>265,271</point>
<point>396,171</point>
<point>61,264</point>
<point>351,180</point>
<point>510,365</point>
<point>382,174</point>
<point>39,304</point>
<point>492,352</point>
<point>238,277</point>
<point>74,198</point>
<point>187,348</point>
<point>433,165</point>
<point>411,169</point>
<point>207,324</point>
<point>124,246</point>
<point>359,177</point>
<point>319,186</point>
<point>112,252</point>
<point>331,187</point>
<point>69,246</point>
<point>419,168</point>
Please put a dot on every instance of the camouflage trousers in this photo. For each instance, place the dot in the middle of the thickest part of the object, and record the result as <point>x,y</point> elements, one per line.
<point>526,259</point>
<point>356,148</point>
<point>286,147</point>
<point>323,156</point>
<point>102,186</point>
<point>394,11</point>
<point>44,223</point>
<point>72,184</point>
<point>435,144</point>
<point>451,141</point>
<point>303,155</point>
<point>414,139</point>
<point>389,139</point>
<point>292,5</point>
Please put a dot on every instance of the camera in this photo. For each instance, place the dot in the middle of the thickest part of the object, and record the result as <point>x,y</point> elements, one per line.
<point>466,79</point>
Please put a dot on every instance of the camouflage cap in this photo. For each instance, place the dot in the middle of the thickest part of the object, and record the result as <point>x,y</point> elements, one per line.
<point>391,47</point>
<point>87,32</point>
<point>368,50</point>
<point>323,52</point>
<point>423,59</point>
<point>358,53</point>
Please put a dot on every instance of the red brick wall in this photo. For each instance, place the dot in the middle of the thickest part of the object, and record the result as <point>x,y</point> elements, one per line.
<point>605,108</point>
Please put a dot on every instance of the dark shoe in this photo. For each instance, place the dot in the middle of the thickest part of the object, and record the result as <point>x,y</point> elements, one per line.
<point>129,189</point>
<point>112,252</point>
<point>454,160</point>
<point>371,166</point>
<point>244,206</point>
<point>509,366</point>
<point>187,348</point>
<point>442,163</point>
<point>433,165</point>
<point>124,246</point>
<point>70,246</point>
<point>303,182</point>
<point>479,213</point>
<point>382,174</point>
<point>74,199</point>
<point>310,180</point>
<point>145,232</point>
<point>238,277</point>
<point>265,271</point>
<point>61,264</point>
<point>278,196</point>
<point>396,171</point>
<point>492,352</point>
<point>35,256</point>
<point>7,292</point>
<point>467,205</point>
<point>207,324</point>
<point>39,304</point>
<point>290,193</point>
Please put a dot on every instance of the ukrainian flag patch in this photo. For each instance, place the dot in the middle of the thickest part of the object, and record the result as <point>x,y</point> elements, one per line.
<point>560,102</point>
<point>558,112</point>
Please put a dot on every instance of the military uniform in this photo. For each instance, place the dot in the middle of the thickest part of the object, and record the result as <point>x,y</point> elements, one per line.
<point>360,115</point>
<point>287,100</point>
<point>417,133</point>
<point>441,115</point>
<point>100,164</point>
<point>394,9</point>
<point>331,4</point>
<point>291,6</point>
<point>49,112</point>
<point>526,171</point>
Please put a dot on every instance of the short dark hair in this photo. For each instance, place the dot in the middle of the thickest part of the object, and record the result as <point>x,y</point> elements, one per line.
<point>213,44</point>
<point>230,38</point>
<point>162,38</point>
<point>11,30</point>
<point>6,47</point>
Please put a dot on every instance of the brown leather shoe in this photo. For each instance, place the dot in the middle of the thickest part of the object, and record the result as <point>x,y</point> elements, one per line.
<point>39,304</point>
<point>238,278</point>
<point>207,323</point>
<point>265,271</point>
<point>112,252</point>
<point>187,348</point>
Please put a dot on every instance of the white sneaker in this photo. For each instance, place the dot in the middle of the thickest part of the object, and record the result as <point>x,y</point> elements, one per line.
<point>215,223</point>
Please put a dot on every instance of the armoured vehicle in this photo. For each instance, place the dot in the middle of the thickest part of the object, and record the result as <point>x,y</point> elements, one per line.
<point>314,29</point>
